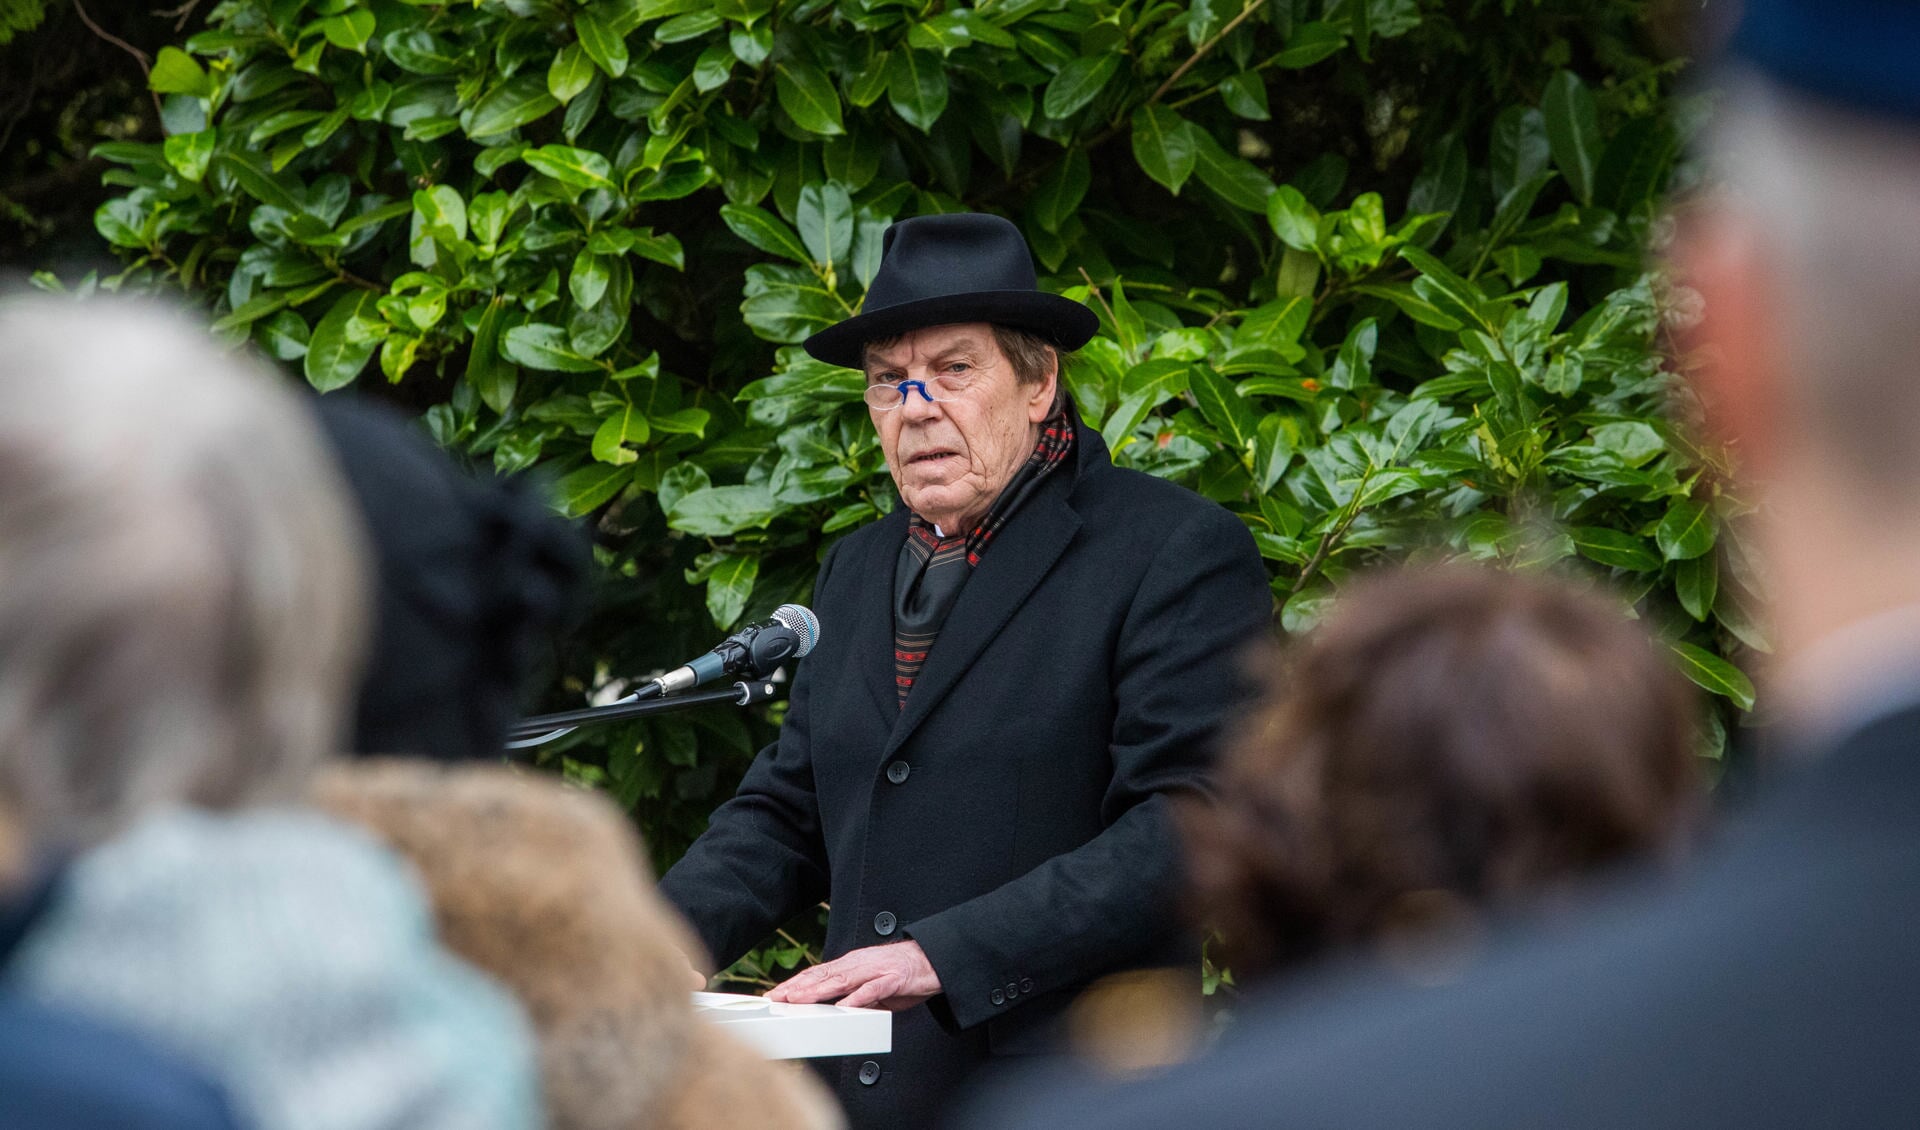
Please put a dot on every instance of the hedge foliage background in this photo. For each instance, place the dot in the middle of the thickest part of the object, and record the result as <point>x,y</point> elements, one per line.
<point>1370,273</point>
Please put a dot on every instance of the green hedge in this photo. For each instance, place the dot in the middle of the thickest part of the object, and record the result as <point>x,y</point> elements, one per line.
<point>1369,272</point>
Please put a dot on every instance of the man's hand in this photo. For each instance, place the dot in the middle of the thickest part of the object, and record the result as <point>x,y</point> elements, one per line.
<point>895,977</point>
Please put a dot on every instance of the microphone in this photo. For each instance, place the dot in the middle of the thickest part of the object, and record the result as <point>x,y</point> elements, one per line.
<point>752,652</point>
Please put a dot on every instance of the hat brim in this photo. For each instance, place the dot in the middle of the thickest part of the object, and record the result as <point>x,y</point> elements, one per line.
<point>1062,321</point>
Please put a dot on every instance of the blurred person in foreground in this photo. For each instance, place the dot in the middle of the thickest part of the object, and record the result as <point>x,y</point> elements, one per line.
<point>61,1070</point>
<point>180,625</point>
<point>1778,985</point>
<point>544,886</point>
<point>1452,742</point>
<point>1455,745</point>
<point>1019,669</point>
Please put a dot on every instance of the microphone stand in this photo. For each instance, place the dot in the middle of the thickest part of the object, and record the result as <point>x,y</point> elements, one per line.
<point>544,728</point>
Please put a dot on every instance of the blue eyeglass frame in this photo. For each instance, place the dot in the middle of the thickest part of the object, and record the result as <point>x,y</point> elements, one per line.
<point>902,388</point>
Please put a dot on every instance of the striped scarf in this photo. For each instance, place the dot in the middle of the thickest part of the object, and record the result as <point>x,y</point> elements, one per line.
<point>932,569</point>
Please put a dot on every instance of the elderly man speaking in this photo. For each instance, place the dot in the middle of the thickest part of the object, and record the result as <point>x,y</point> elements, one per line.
<point>1017,667</point>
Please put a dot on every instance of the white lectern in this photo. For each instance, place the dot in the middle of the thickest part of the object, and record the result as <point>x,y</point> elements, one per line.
<point>797,1031</point>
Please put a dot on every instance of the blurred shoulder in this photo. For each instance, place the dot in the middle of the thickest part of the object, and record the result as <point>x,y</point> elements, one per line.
<point>61,1071</point>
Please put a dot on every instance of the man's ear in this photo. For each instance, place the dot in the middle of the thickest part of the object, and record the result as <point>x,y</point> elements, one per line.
<point>1734,349</point>
<point>1040,399</point>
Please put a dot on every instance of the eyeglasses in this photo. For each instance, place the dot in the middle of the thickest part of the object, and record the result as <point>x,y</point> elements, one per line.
<point>886,397</point>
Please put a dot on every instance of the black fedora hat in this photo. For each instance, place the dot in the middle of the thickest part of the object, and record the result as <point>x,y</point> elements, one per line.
<point>961,267</point>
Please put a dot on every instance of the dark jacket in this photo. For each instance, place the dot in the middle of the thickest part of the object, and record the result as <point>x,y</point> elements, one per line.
<point>60,1071</point>
<point>1779,986</point>
<point>1012,818</point>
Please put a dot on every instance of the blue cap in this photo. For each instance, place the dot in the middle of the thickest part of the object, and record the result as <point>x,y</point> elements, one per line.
<point>1864,53</point>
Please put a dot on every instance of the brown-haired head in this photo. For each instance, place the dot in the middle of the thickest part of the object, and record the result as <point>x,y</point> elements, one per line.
<point>1449,737</point>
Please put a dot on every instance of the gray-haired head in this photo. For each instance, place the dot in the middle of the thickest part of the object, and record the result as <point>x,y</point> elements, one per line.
<point>181,581</point>
<point>1834,193</point>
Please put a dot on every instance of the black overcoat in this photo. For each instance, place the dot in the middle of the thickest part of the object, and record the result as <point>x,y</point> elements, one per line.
<point>1012,818</point>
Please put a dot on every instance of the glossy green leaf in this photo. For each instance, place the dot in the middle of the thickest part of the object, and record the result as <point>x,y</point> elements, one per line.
<point>788,304</point>
<point>869,239</point>
<point>570,73</point>
<point>627,425</point>
<point>256,182</point>
<point>1520,149</point>
<point>825,217</point>
<point>440,212</point>
<point>1712,673</point>
<point>1687,531</point>
<point>538,345</point>
<point>1224,408</point>
<point>751,45</point>
<point>349,30</point>
<point>1276,325</point>
<point>176,72</point>
<point>1295,221</point>
<point>189,153</point>
<point>515,102</point>
<point>606,48</point>
<point>1310,43</point>
<point>808,97</point>
<point>719,511</point>
<point>284,336</point>
<point>1246,95</point>
<point>1079,83</point>
<point>1163,143</point>
<point>713,68</point>
<point>764,230</point>
<point>1614,549</point>
<point>1236,181</point>
<point>489,373</point>
<point>1447,291</point>
<point>693,25</point>
<point>587,489</point>
<point>564,163</point>
<point>1696,582</point>
<point>342,343</point>
<point>1573,131</point>
<point>685,422</point>
<point>1061,189</point>
<point>255,308</point>
<point>420,52</point>
<point>917,88</point>
<point>729,587</point>
<point>588,280</point>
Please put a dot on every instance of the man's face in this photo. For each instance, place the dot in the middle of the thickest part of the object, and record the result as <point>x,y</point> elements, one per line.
<point>951,458</point>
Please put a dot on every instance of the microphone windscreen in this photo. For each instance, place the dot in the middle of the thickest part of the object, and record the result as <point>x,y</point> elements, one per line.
<point>801,622</point>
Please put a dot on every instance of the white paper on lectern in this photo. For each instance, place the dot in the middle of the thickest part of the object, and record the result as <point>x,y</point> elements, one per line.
<point>797,1031</point>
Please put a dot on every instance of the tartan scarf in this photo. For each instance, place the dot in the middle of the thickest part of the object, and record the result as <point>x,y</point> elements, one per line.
<point>931,569</point>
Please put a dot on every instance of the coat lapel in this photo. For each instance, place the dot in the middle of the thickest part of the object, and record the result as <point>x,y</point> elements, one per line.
<point>870,649</point>
<point>1021,555</point>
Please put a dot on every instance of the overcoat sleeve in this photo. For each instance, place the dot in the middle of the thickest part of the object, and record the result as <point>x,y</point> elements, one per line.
<point>762,858</point>
<point>1177,677</point>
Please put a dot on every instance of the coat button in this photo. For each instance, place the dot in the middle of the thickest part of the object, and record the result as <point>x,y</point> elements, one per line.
<point>1026,984</point>
<point>998,997</point>
<point>897,772</point>
<point>1013,989</point>
<point>883,924</point>
<point>869,1073</point>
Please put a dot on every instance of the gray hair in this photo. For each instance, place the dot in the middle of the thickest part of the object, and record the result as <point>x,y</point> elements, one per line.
<point>1837,198</point>
<point>181,578</point>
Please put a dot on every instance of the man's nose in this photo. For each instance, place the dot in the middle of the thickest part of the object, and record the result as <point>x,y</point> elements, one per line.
<point>918,407</point>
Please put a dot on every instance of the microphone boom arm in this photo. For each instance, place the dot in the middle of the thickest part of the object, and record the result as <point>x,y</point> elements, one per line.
<point>544,728</point>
